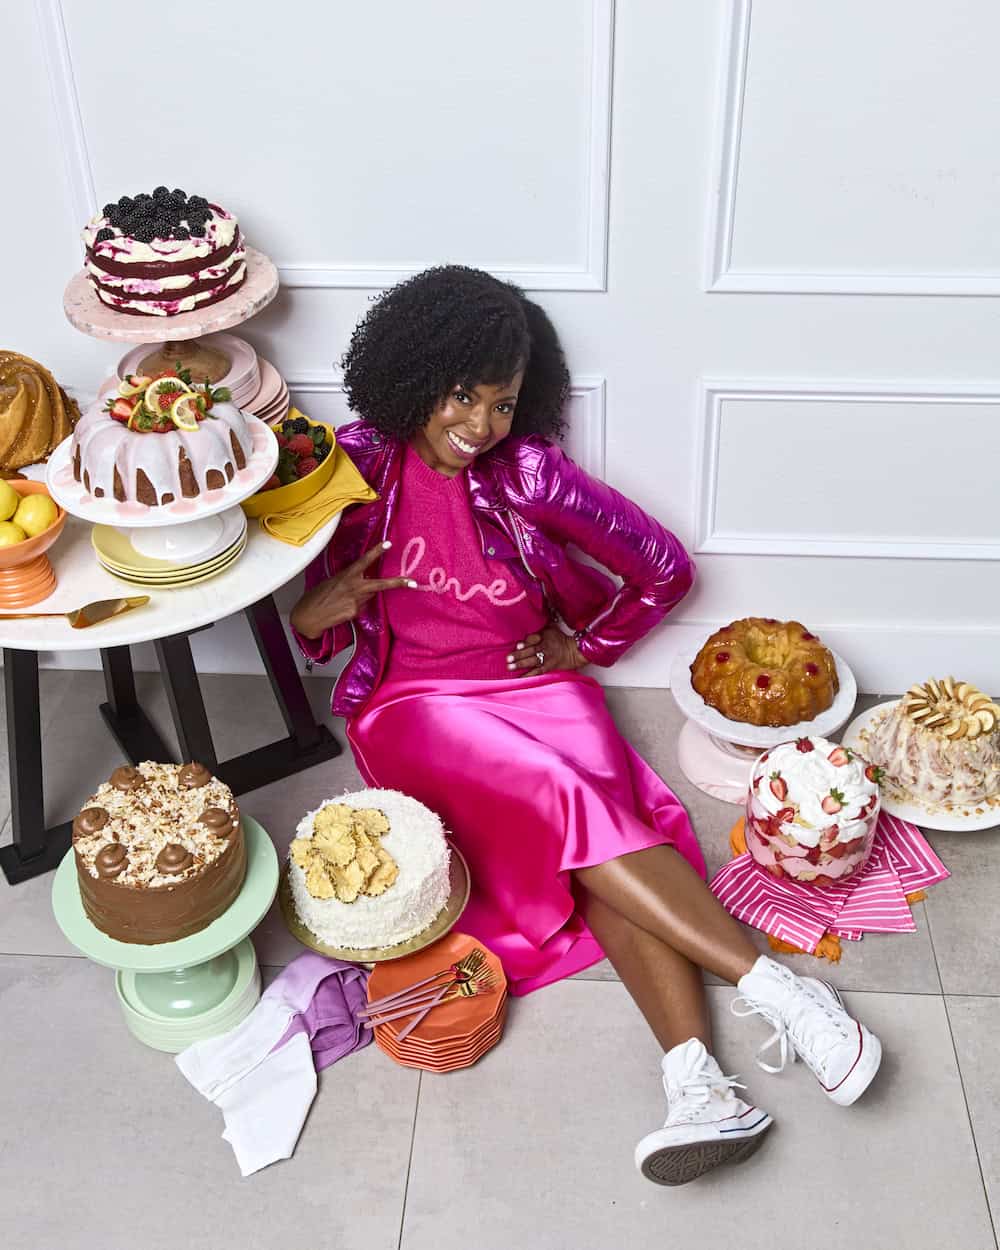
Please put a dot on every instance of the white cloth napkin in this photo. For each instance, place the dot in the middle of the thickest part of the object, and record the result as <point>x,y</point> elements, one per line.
<point>264,1094</point>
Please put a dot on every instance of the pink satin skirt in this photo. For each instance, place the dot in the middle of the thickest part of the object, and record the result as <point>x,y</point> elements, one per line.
<point>532,779</point>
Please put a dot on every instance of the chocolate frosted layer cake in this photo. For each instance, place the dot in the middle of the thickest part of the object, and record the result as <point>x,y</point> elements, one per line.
<point>164,253</point>
<point>159,852</point>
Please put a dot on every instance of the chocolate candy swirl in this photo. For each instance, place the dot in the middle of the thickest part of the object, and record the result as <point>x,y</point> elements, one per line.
<point>217,821</point>
<point>111,860</point>
<point>90,820</point>
<point>174,859</point>
<point>192,776</point>
<point>126,778</point>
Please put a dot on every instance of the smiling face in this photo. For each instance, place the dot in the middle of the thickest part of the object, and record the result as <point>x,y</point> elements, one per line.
<point>466,423</point>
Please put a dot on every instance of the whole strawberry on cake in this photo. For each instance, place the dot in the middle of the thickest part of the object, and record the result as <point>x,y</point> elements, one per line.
<point>164,253</point>
<point>159,440</point>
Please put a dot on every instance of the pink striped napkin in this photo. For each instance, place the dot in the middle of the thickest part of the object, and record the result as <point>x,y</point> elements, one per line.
<point>874,901</point>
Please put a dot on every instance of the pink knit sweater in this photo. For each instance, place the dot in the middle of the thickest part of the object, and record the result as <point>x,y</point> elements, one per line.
<point>468,612</point>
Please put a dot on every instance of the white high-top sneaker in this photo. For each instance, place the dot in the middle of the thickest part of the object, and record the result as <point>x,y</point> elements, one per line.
<point>843,1055</point>
<point>707,1123</point>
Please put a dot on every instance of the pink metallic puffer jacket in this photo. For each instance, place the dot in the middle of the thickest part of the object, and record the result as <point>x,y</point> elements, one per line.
<point>529,500</point>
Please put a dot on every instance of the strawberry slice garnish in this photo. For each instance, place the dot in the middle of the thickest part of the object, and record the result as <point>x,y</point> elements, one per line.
<point>833,802</point>
<point>779,787</point>
<point>785,815</point>
<point>839,756</point>
<point>804,745</point>
<point>121,410</point>
<point>874,773</point>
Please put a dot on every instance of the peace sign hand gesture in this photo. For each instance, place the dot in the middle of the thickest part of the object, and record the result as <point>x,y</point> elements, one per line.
<point>340,598</point>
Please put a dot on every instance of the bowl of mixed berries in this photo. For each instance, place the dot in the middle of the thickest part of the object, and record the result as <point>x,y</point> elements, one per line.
<point>305,465</point>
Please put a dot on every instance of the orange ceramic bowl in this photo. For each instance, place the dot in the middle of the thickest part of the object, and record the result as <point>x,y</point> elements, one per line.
<point>31,548</point>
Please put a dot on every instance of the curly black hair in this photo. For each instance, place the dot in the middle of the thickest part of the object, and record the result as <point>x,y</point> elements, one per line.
<point>453,325</point>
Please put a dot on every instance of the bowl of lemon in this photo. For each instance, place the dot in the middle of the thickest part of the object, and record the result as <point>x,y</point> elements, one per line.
<point>30,522</point>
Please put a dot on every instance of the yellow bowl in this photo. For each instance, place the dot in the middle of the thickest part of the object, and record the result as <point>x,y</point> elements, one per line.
<point>281,498</point>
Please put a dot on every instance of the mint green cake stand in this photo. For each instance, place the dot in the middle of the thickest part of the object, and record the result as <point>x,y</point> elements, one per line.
<point>176,993</point>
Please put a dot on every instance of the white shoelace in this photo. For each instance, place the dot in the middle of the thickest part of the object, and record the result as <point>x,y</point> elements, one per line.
<point>811,1025</point>
<point>688,1097</point>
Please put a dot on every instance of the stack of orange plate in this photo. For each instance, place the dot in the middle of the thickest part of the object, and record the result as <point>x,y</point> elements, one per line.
<point>454,1034</point>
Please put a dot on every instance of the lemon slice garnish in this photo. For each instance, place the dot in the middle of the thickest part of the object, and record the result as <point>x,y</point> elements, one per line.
<point>183,412</point>
<point>129,388</point>
<point>162,384</point>
<point>134,418</point>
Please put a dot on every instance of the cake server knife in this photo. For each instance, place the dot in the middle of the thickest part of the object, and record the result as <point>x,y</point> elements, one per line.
<point>89,614</point>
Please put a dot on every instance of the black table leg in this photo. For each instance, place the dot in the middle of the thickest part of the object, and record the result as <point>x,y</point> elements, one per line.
<point>34,848</point>
<point>308,743</point>
<point>269,634</point>
<point>129,725</point>
<point>187,707</point>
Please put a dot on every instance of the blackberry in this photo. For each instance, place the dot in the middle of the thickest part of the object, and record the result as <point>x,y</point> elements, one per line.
<point>143,198</point>
<point>197,201</point>
<point>103,235</point>
<point>108,209</point>
<point>321,453</point>
<point>162,228</point>
<point>143,233</point>
<point>161,193</point>
<point>178,194</point>
<point>299,425</point>
<point>196,228</point>
<point>181,233</point>
<point>125,204</point>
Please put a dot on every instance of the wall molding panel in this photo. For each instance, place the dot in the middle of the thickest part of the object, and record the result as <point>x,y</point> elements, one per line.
<point>720,276</point>
<point>589,274</point>
<point>797,541</point>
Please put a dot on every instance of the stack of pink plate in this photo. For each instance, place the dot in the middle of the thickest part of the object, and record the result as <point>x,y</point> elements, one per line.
<point>271,402</point>
<point>256,386</point>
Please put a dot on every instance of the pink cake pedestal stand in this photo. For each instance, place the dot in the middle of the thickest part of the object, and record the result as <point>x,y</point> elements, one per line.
<point>86,312</point>
<point>717,755</point>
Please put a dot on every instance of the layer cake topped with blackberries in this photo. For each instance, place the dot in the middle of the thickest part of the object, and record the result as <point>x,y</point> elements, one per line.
<point>164,253</point>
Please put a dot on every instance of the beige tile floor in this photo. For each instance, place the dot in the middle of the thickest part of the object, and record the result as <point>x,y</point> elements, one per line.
<point>103,1146</point>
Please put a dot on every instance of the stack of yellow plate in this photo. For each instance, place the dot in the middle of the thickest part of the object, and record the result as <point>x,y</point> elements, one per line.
<point>116,554</point>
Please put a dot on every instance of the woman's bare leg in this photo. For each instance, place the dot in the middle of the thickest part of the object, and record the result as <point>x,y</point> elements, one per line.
<point>658,890</point>
<point>666,986</point>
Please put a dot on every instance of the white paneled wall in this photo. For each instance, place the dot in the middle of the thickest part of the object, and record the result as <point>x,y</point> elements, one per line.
<point>756,224</point>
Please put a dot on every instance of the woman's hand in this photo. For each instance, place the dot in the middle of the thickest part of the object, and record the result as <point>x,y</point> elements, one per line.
<point>339,598</point>
<point>558,652</point>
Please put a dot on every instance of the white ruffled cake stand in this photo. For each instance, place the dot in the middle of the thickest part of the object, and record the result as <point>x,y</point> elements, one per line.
<point>717,754</point>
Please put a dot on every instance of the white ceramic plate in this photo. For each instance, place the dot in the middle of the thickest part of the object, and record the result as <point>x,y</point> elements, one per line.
<point>958,821</point>
<point>115,551</point>
<point>695,708</point>
<point>72,496</point>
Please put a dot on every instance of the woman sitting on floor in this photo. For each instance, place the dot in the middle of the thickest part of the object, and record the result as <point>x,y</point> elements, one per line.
<point>465,691</point>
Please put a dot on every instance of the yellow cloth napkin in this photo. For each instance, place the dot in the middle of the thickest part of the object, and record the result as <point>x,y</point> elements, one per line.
<point>298,524</point>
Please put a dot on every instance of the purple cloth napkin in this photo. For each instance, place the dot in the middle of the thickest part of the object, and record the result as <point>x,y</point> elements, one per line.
<point>326,995</point>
